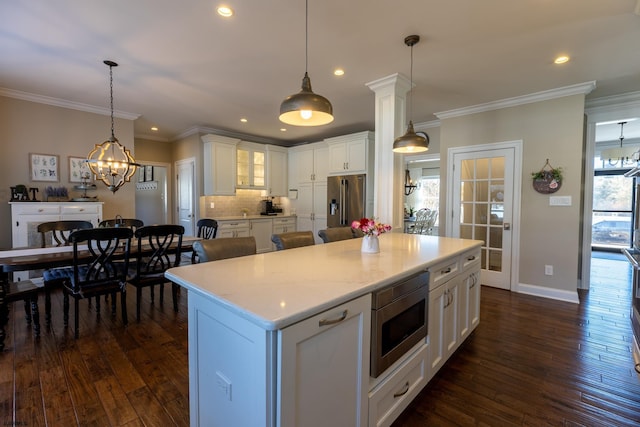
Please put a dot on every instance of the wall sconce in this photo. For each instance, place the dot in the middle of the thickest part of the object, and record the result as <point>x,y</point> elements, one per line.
<point>409,186</point>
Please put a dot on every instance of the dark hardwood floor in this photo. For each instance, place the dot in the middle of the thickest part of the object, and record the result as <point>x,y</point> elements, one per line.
<point>531,361</point>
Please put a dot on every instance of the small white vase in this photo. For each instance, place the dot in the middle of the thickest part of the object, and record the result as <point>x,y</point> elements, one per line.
<point>370,245</point>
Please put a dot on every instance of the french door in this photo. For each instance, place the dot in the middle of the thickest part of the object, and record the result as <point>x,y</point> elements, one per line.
<point>482,200</point>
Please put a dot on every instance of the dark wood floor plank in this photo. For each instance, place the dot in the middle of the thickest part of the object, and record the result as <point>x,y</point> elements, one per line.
<point>115,402</point>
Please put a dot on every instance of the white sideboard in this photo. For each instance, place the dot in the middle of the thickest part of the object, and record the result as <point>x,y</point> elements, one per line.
<point>25,217</point>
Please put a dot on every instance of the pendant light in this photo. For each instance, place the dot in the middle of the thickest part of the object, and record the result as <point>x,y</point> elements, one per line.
<point>410,142</point>
<point>306,108</point>
<point>626,156</point>
<point>110,161</point>
<point>409,186</point>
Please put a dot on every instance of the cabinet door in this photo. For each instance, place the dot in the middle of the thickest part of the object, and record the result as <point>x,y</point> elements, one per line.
<point>338,158</point>
<point>321,164</point>
<point>277,173</point>
<point>219,169</point>
<point>437,350</point>
<point>25,230</point>
<point>261,229</point>
<point>323,366</point>
<point>319,209</point>
<point>301,166</point>
<point>357,156</point>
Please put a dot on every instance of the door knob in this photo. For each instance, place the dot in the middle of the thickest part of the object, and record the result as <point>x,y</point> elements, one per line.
<point>507,226</point>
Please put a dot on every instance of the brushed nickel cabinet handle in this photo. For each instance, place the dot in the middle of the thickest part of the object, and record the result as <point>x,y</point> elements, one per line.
<point>471,258</point>
<point>327,322</point>
<point>404,390</point>
<point>448,270</point>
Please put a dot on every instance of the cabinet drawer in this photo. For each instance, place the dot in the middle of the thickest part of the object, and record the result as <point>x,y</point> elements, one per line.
<point>469,259</point>
<point>393,396</point>
<point>74,210</point>
<point>232,225</point>
<point>442,272</point>
<point>38,209</point>
<point>284,221</point>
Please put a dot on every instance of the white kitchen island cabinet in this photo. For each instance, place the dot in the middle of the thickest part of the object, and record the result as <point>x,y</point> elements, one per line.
<point>283,338</point>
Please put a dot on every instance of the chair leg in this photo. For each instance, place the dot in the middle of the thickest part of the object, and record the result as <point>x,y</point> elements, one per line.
<point>35,314</point>
<point>174,292</point>
<point>153,293</point>
<point>47,305</point>
<point>123,299</point>
<point>113,304</point>
<point>65,308</point>
<point>76,307</point>
<point>27,310</point>
<point>138,298</point>
<point>97,304</point>
<point>161,293</point>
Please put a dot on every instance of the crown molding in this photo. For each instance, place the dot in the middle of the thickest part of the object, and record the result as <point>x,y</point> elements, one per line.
<point>577,89</point>
<point>57,102</point>
<point>208,130</point>
<point>150,137</point>
<point>630,99</point>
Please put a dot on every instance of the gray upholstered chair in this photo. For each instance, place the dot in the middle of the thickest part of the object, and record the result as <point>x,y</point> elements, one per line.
<point>293,239</point>
<point>335,234</point>
<point>230,247</point>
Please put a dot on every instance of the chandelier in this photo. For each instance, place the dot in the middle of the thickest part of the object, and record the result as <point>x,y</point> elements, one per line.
<point>409,186</point>
<point>621,156</point>
<point>111,162</point>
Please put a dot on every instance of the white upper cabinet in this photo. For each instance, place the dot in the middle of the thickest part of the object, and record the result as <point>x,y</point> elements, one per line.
<point>308,163</point>
<point>251,165</point>
<point>219,165</point>
<point>277,178</point>
<point>351,154</point>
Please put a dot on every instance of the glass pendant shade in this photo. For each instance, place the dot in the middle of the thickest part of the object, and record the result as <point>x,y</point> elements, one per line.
<point>111,162</point>
<point>410,142</point>
<point>306,108</point>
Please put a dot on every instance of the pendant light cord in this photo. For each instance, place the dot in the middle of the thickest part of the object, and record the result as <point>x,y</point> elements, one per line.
<point>411,88</point>
<point>306,36</point>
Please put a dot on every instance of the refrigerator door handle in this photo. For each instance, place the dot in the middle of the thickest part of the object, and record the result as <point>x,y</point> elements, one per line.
<point>345,205</point>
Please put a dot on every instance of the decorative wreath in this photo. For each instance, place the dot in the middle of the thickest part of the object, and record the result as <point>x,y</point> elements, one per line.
<point>548,179</point>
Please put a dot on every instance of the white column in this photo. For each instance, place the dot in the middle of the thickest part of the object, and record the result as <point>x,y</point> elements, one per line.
<point>391,95</point>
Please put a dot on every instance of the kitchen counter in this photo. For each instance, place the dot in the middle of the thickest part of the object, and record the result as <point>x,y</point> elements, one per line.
<point>239,217</point>
<point>274,290</point>
<point>287,333</point>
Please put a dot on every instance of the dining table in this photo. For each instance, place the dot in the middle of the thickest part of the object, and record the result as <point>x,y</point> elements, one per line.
<point>27,259</point>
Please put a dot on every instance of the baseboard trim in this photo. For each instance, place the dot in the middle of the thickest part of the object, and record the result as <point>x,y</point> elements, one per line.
<point>557,294</point>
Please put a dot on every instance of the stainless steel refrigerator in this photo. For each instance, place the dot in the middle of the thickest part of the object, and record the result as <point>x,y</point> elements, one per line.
<point>345,199</point>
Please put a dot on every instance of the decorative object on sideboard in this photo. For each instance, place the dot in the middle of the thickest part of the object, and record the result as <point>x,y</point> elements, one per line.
<point>306,108</point>
<point>409,186</point>
<point>410,142</point>
<point>84,187</point>
<point>111,162</point>
<point>56,194</point>
<point>20,193</point>
<point>44,167</point>
<point>548,179</point>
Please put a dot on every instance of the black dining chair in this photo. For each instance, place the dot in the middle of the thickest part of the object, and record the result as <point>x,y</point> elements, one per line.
<point>207,229</point>
<point>158,249</point>
<point>293,239</point>
<point>100,269</point>
<point>56,233</point>
<point>131,223</point>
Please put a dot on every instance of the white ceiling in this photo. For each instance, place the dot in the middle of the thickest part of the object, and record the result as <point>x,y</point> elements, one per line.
<point>182,65</point>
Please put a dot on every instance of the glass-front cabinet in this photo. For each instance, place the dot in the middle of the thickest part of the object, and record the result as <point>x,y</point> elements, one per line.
<point>251,163</point>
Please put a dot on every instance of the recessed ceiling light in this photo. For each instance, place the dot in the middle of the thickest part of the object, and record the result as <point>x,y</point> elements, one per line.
<point>243,120</point>
<point>154,128</point>
<point>561,59</point>
<point>338,72</point>
<point>225,11</point>
<point>283,130</point>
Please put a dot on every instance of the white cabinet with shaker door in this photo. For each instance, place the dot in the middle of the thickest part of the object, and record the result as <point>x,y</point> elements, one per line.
<point>219,165</point>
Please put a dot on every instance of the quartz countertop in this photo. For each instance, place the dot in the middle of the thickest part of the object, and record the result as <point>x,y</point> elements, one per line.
<point>277,289</point>
<point>254,216</point>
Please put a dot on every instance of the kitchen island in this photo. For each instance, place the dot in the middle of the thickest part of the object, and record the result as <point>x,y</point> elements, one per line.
<point>283,338</point>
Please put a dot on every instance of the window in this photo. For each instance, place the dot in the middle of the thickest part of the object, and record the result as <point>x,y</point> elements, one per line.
<point>612,209</point>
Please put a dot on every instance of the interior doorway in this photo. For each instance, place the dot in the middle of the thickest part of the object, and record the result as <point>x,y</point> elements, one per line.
<point>152,193</point>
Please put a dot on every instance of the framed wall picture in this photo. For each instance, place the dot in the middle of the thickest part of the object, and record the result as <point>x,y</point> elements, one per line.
<point>140,174</point>
<point>78,169</point>
<point>148,173</point>
<point>44,167</point>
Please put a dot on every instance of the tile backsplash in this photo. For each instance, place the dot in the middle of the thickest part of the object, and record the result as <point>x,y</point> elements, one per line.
<point>234,205</point>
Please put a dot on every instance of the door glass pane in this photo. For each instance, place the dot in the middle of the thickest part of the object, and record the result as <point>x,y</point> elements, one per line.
<point>482,191</point>
<point>481,213</point>
<point>243,167</point>
<point>466,191</point>
<point>495,260</point>
<point>480,234</point>
<point>612,221</point>
<point>495,238</point>
<point>466,213</point>
<point>467,169</point>
<point>466,232</point>
<point>497,167</point>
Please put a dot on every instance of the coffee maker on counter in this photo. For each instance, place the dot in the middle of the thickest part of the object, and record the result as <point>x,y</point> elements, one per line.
<point>269,208</point>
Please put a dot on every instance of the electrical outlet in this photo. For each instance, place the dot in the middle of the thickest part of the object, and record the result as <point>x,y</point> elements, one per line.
<point>211,205</point>
<point>548,270</point>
